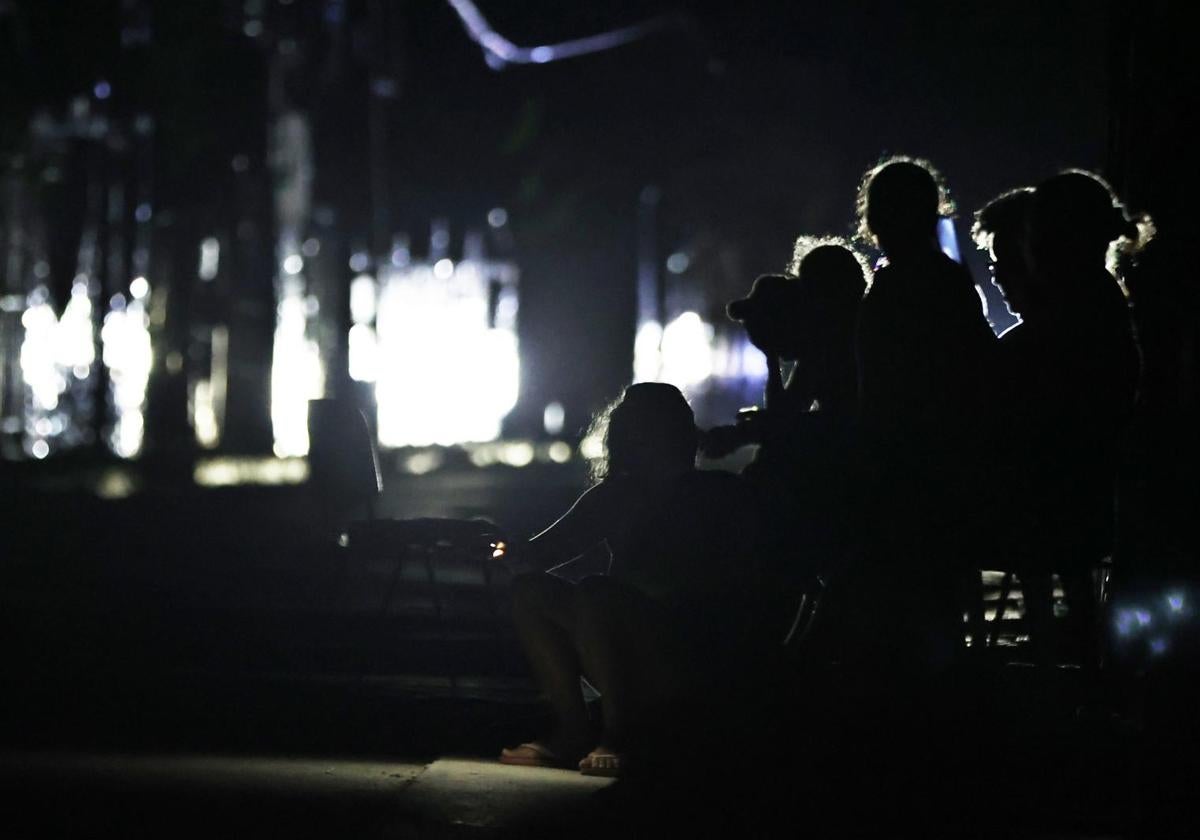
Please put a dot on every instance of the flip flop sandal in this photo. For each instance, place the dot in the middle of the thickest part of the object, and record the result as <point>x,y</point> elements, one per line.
<point>587,768</point>
<point>531,754</point>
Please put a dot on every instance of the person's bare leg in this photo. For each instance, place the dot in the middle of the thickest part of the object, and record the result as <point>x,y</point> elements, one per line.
<point>544,609</point>
<point>621,644</point>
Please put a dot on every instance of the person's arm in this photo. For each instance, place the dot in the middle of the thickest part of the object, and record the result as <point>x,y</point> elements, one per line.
<point>577,530</point>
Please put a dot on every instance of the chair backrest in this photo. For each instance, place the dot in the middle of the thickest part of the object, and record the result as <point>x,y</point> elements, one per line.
<point>343,464</point>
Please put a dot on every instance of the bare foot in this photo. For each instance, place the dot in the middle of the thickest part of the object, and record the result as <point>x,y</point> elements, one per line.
<point>601,762</point>
<point>531,754</point>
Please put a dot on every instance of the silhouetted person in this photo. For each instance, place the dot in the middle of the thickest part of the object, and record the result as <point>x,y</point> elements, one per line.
<point>924,349</point>
<point>638,634</point>
<point>1069,375</point>
<point>804,478</point>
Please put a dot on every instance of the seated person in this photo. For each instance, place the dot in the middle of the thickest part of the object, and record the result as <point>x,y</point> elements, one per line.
<point>640,633</point>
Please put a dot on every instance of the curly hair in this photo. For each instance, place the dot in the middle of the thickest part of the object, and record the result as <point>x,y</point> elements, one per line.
<point>806,245</point>
<point>1005,216</point>
<point>653,413</point>
<point>904,178</point>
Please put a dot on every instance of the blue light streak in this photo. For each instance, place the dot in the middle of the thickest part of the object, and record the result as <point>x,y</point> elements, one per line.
<point>499,51</point>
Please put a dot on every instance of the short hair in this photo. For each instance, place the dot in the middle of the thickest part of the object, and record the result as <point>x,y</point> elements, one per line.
<point>1005,216</point>
<point>906,185</point>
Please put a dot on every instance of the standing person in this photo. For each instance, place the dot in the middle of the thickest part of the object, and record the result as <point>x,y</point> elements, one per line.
<point>670,599</point>
<point>805,477</point>
<point>1080,381</point>
<point>924,350</point>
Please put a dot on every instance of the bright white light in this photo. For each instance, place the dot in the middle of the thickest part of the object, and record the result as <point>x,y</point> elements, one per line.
<point>497,217</point>
<point>592,447</point>
<point>39,368</point>
<point>40,449</point>
<point>647,352</point>
<point>204,415</point>
<point>517,454</point>
<point>223,472</point>
<point>364,354</point>
<point>443,269</point>
<point>444,376</point>
<point>125,338</point>
<point>296,373</point>
<point>687,351</point>
<point>210,257</point>
<point>293,264</point>
<point>678,262</point>
<point>362,299</point>
<point>552,418</point>
<point>559,452</point>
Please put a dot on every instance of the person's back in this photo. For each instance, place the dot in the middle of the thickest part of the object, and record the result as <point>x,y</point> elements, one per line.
<point>1082,374</point>
<point>924,354</point>
<point>924,351</point>
<point>924,347</point>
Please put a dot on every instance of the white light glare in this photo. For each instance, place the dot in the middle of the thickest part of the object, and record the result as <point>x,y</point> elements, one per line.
<point>125,338</point>
<point>552,418</point>
<point>296,373</point>
<point>687,357</point>
<point>293,264</point>
<point>445,377</point>
<point>678,262</point>
<point>210,257</point>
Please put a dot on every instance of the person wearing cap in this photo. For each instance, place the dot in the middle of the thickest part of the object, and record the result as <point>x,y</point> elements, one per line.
<point>805,476</point>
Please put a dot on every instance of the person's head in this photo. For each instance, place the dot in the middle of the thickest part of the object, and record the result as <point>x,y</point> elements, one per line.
<point>650,432</point>
<point>831,280</point>
<point>770,314</point>
<point>1076,222</point>
<point>1000,229</point>
<point>899,203</point>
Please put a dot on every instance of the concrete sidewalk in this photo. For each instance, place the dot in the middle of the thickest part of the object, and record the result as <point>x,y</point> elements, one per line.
<point>85,794</point>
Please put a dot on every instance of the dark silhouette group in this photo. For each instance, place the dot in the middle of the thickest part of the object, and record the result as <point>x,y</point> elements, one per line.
<point>906,449</point>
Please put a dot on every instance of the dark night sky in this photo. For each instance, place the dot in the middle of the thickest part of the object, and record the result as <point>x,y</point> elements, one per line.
<point>756,124</point>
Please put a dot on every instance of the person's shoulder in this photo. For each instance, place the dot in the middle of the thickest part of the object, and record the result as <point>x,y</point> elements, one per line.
<point>950,268</point>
